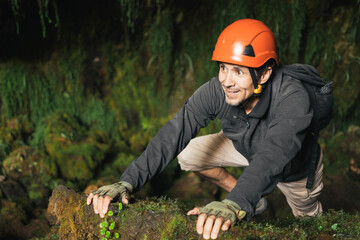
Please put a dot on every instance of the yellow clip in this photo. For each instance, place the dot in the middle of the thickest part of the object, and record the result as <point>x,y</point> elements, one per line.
<point>258,90</point>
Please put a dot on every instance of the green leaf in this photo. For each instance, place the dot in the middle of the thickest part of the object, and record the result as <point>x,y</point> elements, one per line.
<point>105,224</point>
<point>108,234</point>
<point>334,227</point>
<point>120,206</point>
<point>102,232</point>
<point>117,235</point>
<point>112,226</point>
<point>110,213</point>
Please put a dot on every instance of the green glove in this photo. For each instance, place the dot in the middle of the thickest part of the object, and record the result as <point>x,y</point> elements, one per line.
<point>227,209</point>
<point>116,191</point>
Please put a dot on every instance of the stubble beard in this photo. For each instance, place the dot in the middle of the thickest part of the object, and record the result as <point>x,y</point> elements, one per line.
<point>244,103</point>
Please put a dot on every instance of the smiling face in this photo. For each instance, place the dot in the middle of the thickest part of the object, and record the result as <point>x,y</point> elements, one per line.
<point>236,82</point>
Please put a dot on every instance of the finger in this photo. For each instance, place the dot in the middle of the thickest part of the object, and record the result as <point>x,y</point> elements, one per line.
<point>194,211</point>
<point>226,225</point>
<point>100,204</point>
<point>208,226</point>
<point>200,223</point>
<point>216,228</point>
<point>105,204</point>
<point>95,203</point>
<point>89,198</point>
<point>125,199</point>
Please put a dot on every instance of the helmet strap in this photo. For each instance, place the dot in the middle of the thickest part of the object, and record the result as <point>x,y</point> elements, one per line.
<point>258,87</point>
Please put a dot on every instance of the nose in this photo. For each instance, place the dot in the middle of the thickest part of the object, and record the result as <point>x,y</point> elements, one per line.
<point>228,80</point>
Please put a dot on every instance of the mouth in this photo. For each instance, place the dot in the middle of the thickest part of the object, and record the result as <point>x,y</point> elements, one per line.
<point>231,92</point>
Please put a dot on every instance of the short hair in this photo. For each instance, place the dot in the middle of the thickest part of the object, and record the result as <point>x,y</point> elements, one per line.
<point>269,63</point>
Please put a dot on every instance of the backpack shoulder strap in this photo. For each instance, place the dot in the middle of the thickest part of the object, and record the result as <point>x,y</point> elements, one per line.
<point>275,85</point>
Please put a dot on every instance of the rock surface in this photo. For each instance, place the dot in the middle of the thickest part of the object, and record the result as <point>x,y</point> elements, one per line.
<point>141,220</point>
<point>162,218</point>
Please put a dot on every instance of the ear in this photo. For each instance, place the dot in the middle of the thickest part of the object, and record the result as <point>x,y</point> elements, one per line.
<point>265,76</point>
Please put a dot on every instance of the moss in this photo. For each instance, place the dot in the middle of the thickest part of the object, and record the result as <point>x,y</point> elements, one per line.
<point>164,218</point>
<point>174,228</point>
<point>117,166</point>
<point>76,153</point>
<point>32,169</point>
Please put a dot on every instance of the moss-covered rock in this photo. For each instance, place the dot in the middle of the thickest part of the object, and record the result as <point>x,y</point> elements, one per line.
<point>76,152</point>
<point>14,134</point>
<point>34,170</point>
<point>28,162</point>
<point>141,220</point>
<point>161,218</point>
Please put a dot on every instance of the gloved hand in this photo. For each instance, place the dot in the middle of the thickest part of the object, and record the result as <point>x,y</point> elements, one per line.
<point>116,191</point>
<point>227,209</point>
<point>102,197</point>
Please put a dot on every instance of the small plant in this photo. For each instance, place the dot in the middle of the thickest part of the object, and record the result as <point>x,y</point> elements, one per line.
<point>108,227</point>
<point>335,227</point>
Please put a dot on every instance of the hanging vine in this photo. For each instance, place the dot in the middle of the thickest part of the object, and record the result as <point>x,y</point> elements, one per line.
<point>130,12</point>
<point>45,6</point>
<point>16,9</point>
<point>44,14</point>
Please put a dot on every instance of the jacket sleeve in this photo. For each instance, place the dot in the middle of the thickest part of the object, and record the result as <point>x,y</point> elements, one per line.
<point>291,117</point>
<point>174,136</point>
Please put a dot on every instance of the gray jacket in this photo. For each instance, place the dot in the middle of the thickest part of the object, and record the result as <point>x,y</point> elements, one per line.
<point>273,137</point>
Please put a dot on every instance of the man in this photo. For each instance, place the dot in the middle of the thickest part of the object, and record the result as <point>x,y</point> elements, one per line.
<point>269,135</point>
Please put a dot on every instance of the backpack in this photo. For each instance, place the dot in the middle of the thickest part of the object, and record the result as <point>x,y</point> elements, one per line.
<point>321,100</point>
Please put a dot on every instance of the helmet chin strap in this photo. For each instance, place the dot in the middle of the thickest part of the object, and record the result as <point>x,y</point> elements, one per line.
<point>258,88</point>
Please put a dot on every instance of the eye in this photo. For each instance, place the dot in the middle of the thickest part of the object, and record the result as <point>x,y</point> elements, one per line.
<point>222,68</point>
<point>239,72</point>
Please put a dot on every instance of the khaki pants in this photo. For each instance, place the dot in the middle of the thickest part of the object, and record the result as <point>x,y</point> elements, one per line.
<point>215,150</point>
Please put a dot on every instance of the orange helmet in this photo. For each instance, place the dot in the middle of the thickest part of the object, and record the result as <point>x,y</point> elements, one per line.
<point>246,42</point>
